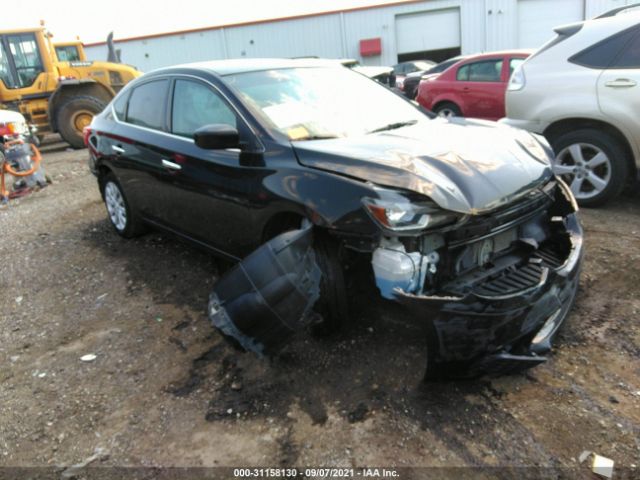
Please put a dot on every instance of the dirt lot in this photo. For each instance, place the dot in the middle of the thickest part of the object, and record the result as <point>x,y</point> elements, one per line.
<point>166,390</point>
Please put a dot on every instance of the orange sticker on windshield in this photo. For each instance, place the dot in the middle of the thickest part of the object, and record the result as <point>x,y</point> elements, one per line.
<point>297,133</point>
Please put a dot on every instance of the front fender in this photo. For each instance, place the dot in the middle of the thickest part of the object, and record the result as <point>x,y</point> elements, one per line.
<point>328,200</point>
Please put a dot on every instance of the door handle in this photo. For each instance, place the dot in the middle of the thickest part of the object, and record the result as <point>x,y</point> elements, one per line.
<point>117,149</point>
<point>466,89</point>
<point>621,83</point>
<point>170,165</point>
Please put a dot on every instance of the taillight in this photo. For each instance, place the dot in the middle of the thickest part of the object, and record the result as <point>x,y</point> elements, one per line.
<point>66,77</point>
<point>86,133</point>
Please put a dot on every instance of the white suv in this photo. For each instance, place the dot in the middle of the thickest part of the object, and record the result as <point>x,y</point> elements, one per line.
<point>581,90</point>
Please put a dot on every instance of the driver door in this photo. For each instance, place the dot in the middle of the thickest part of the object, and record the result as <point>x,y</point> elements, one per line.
<point>205,193</point>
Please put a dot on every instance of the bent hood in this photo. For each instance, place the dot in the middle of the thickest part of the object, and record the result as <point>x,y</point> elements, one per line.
<point>467,166</point>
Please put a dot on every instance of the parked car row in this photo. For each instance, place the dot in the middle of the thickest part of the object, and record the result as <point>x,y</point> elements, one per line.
<point>579,90</point>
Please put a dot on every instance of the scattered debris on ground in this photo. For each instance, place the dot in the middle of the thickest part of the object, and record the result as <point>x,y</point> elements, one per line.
<point>164,388</point>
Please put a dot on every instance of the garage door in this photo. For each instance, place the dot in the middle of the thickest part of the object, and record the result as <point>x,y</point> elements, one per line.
<point>427,31</point>
<point>537,19</point>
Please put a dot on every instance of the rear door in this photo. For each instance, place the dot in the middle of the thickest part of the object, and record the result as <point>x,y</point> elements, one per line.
<point>139,143</point>
<point>619,87</point>
<point>481,86</point>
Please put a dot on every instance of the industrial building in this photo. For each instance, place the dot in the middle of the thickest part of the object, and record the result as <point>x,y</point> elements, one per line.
<point>374,35</point>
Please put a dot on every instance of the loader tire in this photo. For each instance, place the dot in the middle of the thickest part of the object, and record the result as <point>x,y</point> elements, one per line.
<point>73,115</point>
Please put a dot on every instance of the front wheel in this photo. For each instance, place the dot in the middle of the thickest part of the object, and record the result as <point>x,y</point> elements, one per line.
<point>333,304</point>
<point>592,163</point>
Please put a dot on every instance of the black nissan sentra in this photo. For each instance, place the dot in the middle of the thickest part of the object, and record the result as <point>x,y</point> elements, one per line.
<point>299,169</point>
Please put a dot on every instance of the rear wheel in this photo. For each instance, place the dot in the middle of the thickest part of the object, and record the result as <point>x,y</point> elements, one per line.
<point>123,217</point>
<point>75,114</point>
<point>592,163</point>
<point>447,109</point>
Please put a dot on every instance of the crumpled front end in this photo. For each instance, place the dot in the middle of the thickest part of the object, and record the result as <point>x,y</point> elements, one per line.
<point>495,289</point>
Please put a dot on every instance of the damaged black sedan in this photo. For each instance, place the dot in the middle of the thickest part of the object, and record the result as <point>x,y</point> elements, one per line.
<point>294,169</point>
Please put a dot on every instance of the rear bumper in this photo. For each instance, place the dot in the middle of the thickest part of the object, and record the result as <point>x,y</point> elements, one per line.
<point>502,335</point>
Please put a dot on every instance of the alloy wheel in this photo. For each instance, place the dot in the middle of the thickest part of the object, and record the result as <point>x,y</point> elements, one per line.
<point>115,206</point>
<point>585,167</point>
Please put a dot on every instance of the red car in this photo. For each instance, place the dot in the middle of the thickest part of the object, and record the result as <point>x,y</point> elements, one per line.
<point>474,87</point>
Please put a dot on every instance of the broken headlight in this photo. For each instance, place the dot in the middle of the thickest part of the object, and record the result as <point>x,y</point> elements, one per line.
<point>396,212</point>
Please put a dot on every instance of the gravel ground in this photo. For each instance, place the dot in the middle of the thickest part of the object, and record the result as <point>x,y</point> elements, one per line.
<point>165,390</point>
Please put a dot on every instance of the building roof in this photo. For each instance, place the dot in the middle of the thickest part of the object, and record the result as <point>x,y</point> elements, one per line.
<point>256,22</point>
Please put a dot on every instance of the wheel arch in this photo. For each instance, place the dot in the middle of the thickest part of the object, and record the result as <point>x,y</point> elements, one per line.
<point>442,101</point>
<point>102,172</point>
<point>561,127</point>
<point>280,222</point>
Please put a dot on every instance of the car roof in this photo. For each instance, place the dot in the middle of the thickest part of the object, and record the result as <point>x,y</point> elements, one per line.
<point>243,65</point>
<point>520,51</point>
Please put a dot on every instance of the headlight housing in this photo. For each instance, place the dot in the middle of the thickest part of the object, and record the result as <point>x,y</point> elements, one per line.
<point>393,211</point>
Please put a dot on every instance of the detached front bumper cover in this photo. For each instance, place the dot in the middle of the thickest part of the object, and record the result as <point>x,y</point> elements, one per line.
<point>268,296</point>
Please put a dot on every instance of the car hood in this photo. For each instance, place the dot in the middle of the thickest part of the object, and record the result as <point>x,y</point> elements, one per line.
<point>467,166</point>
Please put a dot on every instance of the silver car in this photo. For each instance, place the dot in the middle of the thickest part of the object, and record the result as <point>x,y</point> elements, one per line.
<point>581,90</point>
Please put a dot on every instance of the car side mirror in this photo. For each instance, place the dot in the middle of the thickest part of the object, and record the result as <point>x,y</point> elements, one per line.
<point>217,136</point>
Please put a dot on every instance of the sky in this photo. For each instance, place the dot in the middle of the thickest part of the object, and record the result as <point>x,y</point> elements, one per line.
<point>93,20</point>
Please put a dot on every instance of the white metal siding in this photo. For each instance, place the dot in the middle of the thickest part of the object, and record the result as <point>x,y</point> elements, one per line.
<point>537,19</point>
<point>484,25</point>
<point>319,36</point>
<point>422,31</point>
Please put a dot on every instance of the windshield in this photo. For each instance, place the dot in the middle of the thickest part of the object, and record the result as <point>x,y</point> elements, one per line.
<point>420,65</point>
<point>314,103</point>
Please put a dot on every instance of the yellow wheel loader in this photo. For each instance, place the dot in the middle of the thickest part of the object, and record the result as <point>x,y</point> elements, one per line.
<point>55,95</point>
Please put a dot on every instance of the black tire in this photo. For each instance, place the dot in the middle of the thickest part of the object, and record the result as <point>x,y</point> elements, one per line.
<point>448,106</point>
<point>133,225</point>
<point>333,304</point>
<point>67,117</point>
<point>615,152</point>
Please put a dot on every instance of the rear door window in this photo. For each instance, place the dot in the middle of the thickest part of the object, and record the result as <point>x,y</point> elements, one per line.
<point>603,53</point>
<point>196,105</point>
<point>147,105</point>
<point>630,56</point>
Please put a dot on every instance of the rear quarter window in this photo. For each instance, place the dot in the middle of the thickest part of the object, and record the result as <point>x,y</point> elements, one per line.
<point>604,53</point>
<point>120,106</point>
